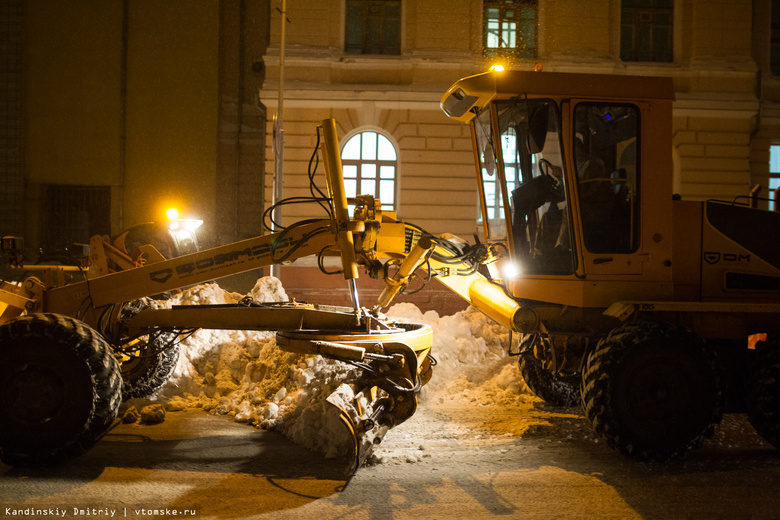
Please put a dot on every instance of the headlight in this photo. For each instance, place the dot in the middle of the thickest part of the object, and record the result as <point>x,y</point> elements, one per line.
<point>510,270</point>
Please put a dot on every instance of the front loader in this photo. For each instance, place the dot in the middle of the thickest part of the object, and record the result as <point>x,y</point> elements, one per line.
<point>71,349</point>
<point>657,314</point>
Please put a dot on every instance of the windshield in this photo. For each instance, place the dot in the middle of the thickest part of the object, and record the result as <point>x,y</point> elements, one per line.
<point>533,183</point>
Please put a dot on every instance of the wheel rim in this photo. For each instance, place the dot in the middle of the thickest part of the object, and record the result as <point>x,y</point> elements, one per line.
<point>35,394</point>
<point>662,395</point>
<point>47,397</point>
<point>661,391</point>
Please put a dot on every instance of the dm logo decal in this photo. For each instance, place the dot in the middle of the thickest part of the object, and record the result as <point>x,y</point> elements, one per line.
<point>711,257</point>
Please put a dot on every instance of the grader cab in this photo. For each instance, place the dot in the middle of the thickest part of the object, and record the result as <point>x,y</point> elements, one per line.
<point>649,309</point>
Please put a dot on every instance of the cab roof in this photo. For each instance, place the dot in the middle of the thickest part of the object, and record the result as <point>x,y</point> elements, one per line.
<point>469,95</point>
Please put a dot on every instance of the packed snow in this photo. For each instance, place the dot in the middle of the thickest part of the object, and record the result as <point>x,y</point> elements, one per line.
<point>243,374</point>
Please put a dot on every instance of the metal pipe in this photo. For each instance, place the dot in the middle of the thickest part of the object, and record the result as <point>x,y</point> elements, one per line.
<point>493,301</point>
<point>120,195</point>
<point>278,136</point>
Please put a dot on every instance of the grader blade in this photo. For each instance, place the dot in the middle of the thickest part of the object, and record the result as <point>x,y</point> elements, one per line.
<point>365,432</point>
<point>393,365</point>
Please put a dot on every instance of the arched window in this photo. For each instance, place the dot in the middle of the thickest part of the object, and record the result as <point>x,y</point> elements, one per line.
<point>370,166</point>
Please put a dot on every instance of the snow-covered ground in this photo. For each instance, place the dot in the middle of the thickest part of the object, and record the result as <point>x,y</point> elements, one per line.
<point>243,374</point>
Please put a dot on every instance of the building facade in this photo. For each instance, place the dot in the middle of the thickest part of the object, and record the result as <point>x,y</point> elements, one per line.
<point>382,66</point>
<point>119,109</point>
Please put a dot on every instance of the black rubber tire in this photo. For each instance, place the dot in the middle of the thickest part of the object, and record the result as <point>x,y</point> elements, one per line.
<point>763,401</point>
<point>652,391</point>
<point>553,389</point>
<point>60,389</point>
<point>144,375</point>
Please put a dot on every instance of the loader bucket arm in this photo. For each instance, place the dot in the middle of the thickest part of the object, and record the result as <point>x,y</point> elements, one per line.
<point>392,359</point>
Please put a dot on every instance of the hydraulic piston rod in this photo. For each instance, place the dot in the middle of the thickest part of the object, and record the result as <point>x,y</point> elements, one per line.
<point>335,177</point>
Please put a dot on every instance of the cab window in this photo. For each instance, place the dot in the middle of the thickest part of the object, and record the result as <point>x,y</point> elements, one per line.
<point>606,159</point>
<point>535,185</point>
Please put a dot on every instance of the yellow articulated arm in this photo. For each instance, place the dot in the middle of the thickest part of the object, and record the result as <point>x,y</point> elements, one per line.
<point>395,240</point>
<point>401,278</point>
<point>459,275</point>
<point>365,239</point>
<point>295,242</point>
<point>492,299</point>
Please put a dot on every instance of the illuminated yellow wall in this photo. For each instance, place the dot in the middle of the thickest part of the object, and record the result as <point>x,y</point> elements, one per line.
<point>74,104</point>
<point>172,108</point>
<point>72,96</point>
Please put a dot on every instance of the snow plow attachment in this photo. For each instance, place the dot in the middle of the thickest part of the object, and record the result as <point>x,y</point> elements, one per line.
<point>392,364</point>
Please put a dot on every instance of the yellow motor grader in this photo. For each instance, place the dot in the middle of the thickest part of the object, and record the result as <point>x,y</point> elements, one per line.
<point>656,313</point>
<point>77,340</point>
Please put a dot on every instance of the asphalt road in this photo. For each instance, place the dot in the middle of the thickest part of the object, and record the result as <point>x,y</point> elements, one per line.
<point>448,461</point>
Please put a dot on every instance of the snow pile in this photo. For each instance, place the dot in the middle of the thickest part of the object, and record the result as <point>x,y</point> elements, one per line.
<point>244,374</point>
<point>471,352</point>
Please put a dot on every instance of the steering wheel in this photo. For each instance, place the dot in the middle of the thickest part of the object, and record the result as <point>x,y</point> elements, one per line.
<point>555,186</point>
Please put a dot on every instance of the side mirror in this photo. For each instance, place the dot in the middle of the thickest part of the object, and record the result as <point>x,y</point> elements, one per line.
<point>489,161</point>
<point>538,119</point>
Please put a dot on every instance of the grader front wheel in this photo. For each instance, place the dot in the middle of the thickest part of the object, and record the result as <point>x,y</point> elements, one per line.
<point>652,390</point>
<point>554,390</point>
<point>148,361</point>
<point>60,389</point>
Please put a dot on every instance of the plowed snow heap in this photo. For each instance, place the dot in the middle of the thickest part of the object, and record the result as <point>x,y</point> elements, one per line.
<point>243,374</point>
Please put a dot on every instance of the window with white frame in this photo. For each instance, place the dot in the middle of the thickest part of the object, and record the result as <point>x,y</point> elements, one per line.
<point>509,28</point>
<point>370,166</point>
<point>774,173</point>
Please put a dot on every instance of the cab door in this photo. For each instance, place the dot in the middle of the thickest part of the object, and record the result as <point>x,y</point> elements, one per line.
<point>605,174</point>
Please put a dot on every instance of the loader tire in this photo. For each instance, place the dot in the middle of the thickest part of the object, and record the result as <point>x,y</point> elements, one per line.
<point>60,389</point>
<point>763,401</point>
<point>553,389</point>
<point>652,390</point>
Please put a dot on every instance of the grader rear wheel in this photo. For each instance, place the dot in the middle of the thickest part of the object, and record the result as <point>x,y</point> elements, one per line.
<point>60,389</point>
<point>652,390</point>
<point>763,406</point>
